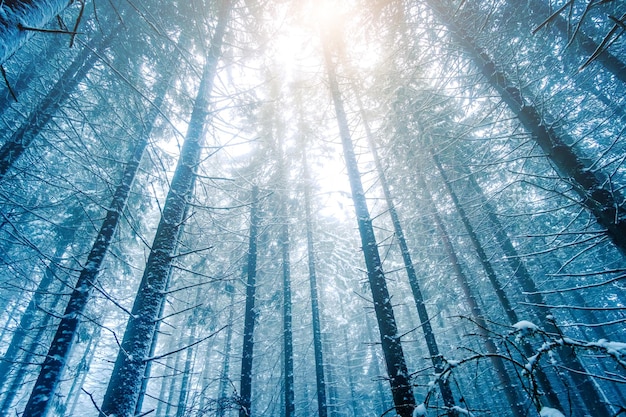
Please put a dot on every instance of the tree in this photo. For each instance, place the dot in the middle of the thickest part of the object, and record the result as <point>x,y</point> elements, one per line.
<point>245,389</point>
<point>394,356</point>
<point>123,386</point>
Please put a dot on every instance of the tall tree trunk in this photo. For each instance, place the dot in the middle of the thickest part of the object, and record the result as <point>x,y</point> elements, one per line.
<point>65,236</point>
<point>508,387</point>
<point>245,388</point>
<point>429,335</point>
<point>320,381</point>
<point>123,388</point>
<point>587,389</point>
<point>63,340</point>
<point>593,186</point>
<point>290,403</point>
<point>19,141</point>
<point>225,374</point>
<point>19,18</point>
<point>401,388</point>
<point>495,281</point>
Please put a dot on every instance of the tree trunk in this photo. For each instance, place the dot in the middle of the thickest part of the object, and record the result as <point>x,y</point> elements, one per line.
<point>65,237</point>
<point>315,309</point>
<point>429,335</point>
<point>508,387</point>
<point>401,388</point>
<point>15,146</point>
<point>123,388</point>
<point>18,18</point>
<point>245,388</point>
<point>63,340</point>
<point>290,404</point>
<point>512,316</point>
<point>593,186</point>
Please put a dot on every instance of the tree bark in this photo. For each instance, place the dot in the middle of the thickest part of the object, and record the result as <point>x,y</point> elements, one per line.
<point>245,388</point>
<point>320,381</point>
<point>19,17</point>
<point>401,388</point>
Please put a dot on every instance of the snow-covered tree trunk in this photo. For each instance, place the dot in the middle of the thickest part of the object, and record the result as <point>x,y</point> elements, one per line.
<point>125,382</point>
<point>429,335</point>
<point>19,141</point>
<point>401,388</point>
<point>595,189</point>
<point>19,18</point>
<point>245,387</point>
<point>507,386</point>
<point>315,309</point>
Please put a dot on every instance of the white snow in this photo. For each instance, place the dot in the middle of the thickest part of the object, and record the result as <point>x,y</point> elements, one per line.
<point>420,410</point>
<point>613,348</point>
<point>525,325</point>
<point>550,412</point>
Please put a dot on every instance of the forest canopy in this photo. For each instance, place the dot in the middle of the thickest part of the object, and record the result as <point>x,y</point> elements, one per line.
<point>312,208</point>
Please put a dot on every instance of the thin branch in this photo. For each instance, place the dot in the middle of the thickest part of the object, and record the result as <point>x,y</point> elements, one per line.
<point>6,81</point>
<point>64,32</point>
<point>177,312</point>
<point>154,358</point>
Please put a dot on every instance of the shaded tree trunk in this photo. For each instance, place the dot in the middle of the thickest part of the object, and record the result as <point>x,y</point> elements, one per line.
<point>593,186</point>
<point>245,388</point>
<point>18,18</point>
<point>40,116</point>
<point>429,335</point>
<point>320,381</point>
<point>123,388</point>
<point>401,388</point>
<point>508,387</point>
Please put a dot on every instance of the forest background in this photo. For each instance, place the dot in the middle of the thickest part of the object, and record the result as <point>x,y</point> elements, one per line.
<point>281,208</point>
